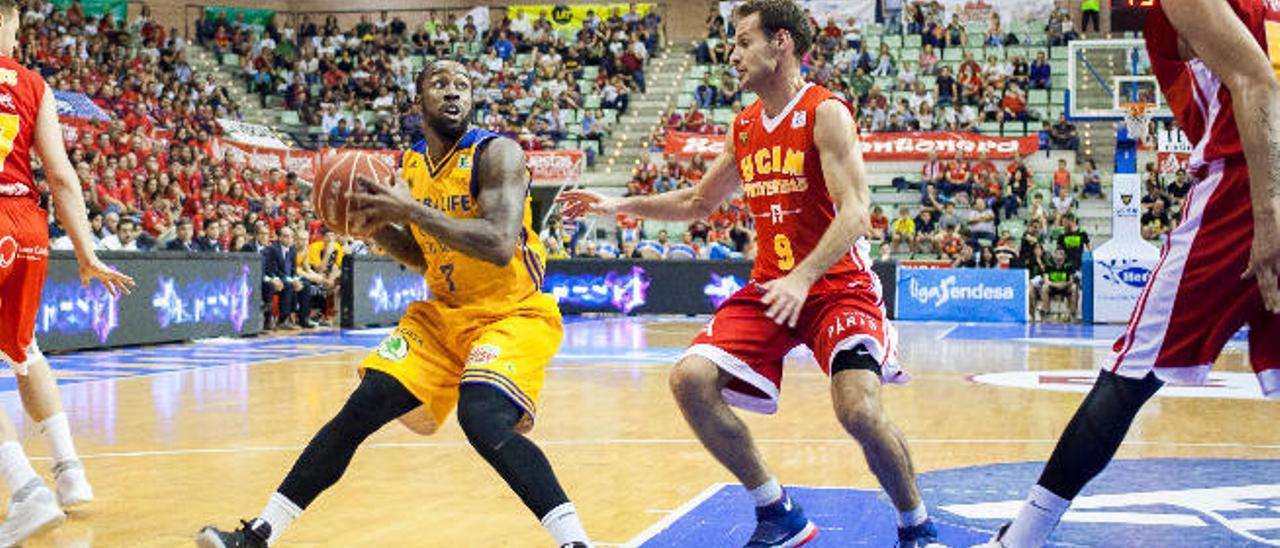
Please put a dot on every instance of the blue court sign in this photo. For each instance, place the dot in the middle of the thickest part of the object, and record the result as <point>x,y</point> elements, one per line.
<point>962,294</point>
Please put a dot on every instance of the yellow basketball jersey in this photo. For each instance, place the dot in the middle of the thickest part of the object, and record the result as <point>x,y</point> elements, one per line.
<point>449,186</point>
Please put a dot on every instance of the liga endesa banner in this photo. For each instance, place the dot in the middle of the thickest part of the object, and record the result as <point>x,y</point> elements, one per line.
<point>556,166</point>
<point>302,162</point>
<point>883,146</point>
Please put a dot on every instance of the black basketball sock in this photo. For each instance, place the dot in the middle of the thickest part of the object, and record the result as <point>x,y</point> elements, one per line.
<point>379,399</point>
<point>1095,432</point>
<point>489,419</point>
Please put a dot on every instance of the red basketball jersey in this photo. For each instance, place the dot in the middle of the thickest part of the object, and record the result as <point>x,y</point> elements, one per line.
<point>21,91</point>
<point>1198,99</point>
<point>784,187</point>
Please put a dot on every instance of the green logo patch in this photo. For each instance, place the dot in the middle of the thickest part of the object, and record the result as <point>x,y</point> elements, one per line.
<point>394,348</point>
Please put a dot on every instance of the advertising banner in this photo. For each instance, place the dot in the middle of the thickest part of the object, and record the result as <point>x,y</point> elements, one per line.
<point>250,134</point>
<point>302,162</point>
<point>1170,162</point>
<point>377,290</point>
<point>571,16</point>
<point>883,146</point>
<point>179,297</point>
<point>254,17</point>
<point>962,294</point>
<point>98,8</point>
<point>1122,266</point>
<point>556,166</point>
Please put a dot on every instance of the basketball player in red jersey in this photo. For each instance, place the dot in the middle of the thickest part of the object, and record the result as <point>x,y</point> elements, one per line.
<point>1214,66</point>
<point>29,118</point>
<point>796,155</point>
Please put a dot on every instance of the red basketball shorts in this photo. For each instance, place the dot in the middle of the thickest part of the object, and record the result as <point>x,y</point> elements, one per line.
<point>1195,299</point>
<point>24,258</point>
<point>742,341</point>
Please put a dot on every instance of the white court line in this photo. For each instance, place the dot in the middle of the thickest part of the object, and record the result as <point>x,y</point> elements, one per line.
<point>635,442</point>
<point>676,514</point>
<point>944,334</point>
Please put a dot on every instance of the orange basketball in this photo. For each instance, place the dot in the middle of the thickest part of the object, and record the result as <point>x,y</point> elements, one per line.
<point>337,176</point>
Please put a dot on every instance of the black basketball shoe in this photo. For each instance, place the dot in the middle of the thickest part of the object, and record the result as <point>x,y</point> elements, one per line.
<point>249,535</point>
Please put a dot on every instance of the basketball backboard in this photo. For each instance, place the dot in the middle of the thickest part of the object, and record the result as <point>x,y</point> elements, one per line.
<point>1104,75</point>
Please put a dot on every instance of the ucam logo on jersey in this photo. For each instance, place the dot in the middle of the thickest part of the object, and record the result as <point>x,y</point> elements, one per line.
<point>1171,503</point>
<point>963,294</point>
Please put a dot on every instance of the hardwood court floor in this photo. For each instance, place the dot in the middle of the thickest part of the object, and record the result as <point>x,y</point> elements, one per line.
<point>173,439</point>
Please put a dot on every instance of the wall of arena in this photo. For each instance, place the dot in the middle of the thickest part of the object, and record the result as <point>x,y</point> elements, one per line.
<point>684,20</point>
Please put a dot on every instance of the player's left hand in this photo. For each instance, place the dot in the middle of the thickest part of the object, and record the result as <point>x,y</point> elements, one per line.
<point>117,284</point>
<point>785,298</point>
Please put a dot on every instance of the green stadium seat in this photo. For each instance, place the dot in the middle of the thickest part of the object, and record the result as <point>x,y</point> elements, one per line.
<point>230,59</point>
<point>572,116</point>
<point>951,55</point>
<point>1058,53</point>
<point>592,102</point>
<point>611,116</point>
<point>590,144</point>
<point>290,118</point>
<point>722,116</point>
<point>911,41</point>
<point>697,71</point>
<point>1037,98</point>
<point>684,101</point>
<point>590,72</point>
<point>990,128</point>
<point>567,144</point>
<point>909,54</point>
<point>584,86</point>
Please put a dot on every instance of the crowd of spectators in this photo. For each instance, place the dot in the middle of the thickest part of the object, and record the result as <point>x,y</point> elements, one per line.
<point>912,89</point>
<point>149,177</point>
<point>358,84</point>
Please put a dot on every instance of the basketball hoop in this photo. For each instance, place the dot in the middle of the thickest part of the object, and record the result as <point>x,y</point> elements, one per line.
<point>1136,119</point>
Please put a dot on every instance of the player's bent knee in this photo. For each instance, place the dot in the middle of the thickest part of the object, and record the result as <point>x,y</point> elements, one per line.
<point>420,421</point>
<point>487,418</point>
<point>694,377</point>
<point>857,404</point>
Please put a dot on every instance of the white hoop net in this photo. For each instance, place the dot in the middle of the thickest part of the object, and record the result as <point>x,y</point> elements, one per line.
<point>1136,119</point>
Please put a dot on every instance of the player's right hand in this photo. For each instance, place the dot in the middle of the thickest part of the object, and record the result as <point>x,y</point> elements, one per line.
<point>1264,261</point>
<point>579,203</point>
<point>116,283</point>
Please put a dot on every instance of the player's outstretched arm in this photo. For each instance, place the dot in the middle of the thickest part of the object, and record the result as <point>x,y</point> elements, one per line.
<point>503,183</point>
<point>841,156</point>
<point>68,201</point>
<point>686,204</point>
<point>1219,39</point>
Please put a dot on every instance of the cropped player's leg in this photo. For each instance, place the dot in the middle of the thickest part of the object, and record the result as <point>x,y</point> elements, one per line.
<point>40,398</point>
<point>697,383</point>
<point>855,392</point>
<point>489,420</point>
<point>1087,445</point>
<point>32,507</point>
<point>379,399</point>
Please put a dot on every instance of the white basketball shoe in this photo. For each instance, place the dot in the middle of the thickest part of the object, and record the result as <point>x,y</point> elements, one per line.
<point>73,486</point>
<point>32,510</point>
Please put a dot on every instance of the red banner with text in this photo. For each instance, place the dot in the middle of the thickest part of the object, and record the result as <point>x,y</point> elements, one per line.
<point>302,162</point>
<point>1170,162</point>
<point>883,146</point>
<point>556,166</point>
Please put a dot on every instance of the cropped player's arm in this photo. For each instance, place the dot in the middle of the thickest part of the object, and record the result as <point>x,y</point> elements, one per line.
<point>1219,39</point>
<point>68,201</point>
<point>400,244</point>
<point>838,149</point>
<point>686,204</point>
<point>503,185</point>
<point>843,170</point>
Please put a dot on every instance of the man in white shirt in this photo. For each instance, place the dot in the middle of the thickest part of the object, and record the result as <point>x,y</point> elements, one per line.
<point>521,25</point>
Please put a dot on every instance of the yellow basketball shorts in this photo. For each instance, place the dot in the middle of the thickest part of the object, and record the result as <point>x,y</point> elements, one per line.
<point>436,348</point>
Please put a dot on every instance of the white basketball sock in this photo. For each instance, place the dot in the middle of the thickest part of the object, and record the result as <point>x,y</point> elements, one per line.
<point>15,468</point>
<point>912,518</point>
<point>768,493</point>
<point>57,431</point>
<point>563,524</point>
<point>1036,520</point>
<point>279,513</point>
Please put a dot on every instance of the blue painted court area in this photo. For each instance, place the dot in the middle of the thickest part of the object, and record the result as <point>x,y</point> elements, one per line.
<point>1170,503</point>
<point>845,517</point>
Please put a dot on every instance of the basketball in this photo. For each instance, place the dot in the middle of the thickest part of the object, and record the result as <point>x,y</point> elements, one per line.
<point>337,176</point>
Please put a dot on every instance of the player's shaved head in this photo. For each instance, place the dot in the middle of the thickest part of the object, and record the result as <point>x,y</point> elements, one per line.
<point>436,67</point>
<point>444,93</point>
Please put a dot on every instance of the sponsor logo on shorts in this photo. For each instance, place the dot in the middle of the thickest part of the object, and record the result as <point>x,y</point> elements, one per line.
<point>8,251</point>
<point>484,354</point>
<point>394,348</point>
<point>859,322</point>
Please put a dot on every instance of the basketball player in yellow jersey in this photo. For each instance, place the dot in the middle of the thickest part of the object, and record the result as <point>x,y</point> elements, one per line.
<point>482,344</point>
